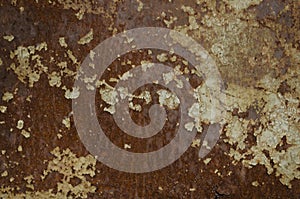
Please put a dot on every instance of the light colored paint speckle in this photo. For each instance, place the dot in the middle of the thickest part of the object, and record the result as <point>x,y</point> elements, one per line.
<point>8,38</point>
<point>7,96</point>
<point>189,126</point>
<point>25,133</point>
<point>168,99</point>
<point>66,122</point>
<point>3,109</point>
<point>4,174</point>
<point>87,38</point>
<point>72,94</point>
<point>20,124</point>
<point>20,148</point>
<point>162,57</point>
<point>62,42</point>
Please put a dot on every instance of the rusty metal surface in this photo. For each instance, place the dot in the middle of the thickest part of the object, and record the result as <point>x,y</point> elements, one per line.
<point>256,48</point>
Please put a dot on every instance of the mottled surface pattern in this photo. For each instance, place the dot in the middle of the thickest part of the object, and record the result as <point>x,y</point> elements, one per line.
<point>256,46</point>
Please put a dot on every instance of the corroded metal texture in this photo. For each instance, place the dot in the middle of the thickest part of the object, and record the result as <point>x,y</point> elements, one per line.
<point>255,46</point>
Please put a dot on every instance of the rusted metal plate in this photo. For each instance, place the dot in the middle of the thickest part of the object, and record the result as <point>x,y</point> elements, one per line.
<point>247,49</point>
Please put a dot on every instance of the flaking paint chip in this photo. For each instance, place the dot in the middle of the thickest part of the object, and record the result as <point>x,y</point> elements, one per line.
<point>20,124</point>
<point>8,38</point>
<point>66,122</point>
<point>54,79</point>
<point>62,42</point>
<point>189,126</point>
<point>3,109</point>
<point>87,38</point>
<point>168,99</point>
<point>140,6</point>
<point>59,136</point>
<point>4,174</point>
<point>127,146</point>
<point>7,96</point>
<point>72,94</point>
<point>255,184</point>
<point>196,143</point>
<point>25,133</point>
<point>207,160</point>
<point>20,148</point>
<point>162,57</point>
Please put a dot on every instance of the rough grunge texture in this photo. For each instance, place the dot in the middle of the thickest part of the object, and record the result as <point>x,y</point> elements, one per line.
<point>256,47</point>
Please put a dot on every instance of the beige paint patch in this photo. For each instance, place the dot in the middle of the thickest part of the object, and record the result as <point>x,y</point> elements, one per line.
<point>189,126</point>
<point>66,122</point>
<point>29,67</point>
<point>70,166</point>
<point>80,14</point>
<point>126,76</point>
<point>29,179</point>
<point>87,38</point>
<point>110,109</point>
<point>127,146</point>
<point>162,57</point>
<point>59,136</point>
<point>236,131</point>
<point>140,5</point>
<point>7,96</point>
<point>62,42</point>
<point>145,95</point>
<point>67,164</point>
<point>72,94</point>
<point>207,160</point>
<point>54,79</point>
<point>20,124</point>
<point>166,98</point>
<point>279,116</point>
<point>241,5</point>
<point>193,25</point>
<point>196,143</point>
<point>168,77</point>
<point>170,21</point>
<point>8,38</point>
<point>255,184</point>
<point>25,133</point>
<point>4,174</point>
<point>110,96</point>
<point>194,112</point>
<point>20,148</point>
<point>145,65</point>
<point>72,57</point>
<point>3,109</point>
<point>135,107</point>
<point>192,189</point>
